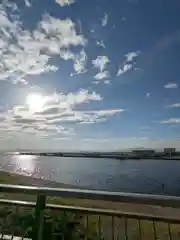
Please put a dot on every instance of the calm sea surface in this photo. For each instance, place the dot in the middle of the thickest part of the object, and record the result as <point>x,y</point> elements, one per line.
<point>142,176</point>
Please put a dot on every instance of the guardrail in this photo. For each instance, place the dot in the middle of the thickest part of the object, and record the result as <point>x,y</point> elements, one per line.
<point>107,220</point>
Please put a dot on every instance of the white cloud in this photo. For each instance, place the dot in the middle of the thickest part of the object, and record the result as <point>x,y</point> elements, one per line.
<point>175,105</point>
<point>22,120</point>
<point>10,5</point>
<point>170,121</point>
<point>26,52</point>
<point>100,62</point>
<point>67,55</point>
<point>84,117</point>
<point>101,43</point>
<point>60,103</point>
<point>102,75</point>
<point>109,112</point>
<point>129,63</point>
<point>57,118</point>
<point>61,30</point>
<point>99,116</point>
<point>171,85</point>
<point>5,18</point>
<point>62,3</point>
<point>80,62</point>
<point>125,68</point>
<point>131,56</point>
<point>4,21</point>
<point>104,20</point>
<point>27,3</point>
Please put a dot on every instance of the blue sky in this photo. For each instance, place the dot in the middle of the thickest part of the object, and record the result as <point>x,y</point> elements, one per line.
<point>79,74</point>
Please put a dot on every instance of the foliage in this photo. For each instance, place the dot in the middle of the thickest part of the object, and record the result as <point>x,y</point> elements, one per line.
<point>58,224</point>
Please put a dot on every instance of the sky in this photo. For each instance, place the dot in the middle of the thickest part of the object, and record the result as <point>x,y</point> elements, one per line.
<point>89,75</point>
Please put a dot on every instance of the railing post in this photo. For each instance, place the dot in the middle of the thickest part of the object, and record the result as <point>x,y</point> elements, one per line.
<point>39,217</point>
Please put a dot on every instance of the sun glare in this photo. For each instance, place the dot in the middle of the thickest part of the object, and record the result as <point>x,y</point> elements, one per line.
<point>35,102</point>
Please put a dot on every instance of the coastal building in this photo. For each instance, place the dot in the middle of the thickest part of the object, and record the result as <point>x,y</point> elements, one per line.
<point>169,151</point>
<point>143,153</point>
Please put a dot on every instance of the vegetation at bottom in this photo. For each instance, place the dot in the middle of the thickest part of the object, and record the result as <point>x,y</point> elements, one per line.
<point>61,225</point>
<point>18,221</point>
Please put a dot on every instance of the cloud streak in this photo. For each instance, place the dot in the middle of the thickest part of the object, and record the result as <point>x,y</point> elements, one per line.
<point>102,75</point>
<point>170,121</point>
<point>175,105</point>
<point>171,85</point>
<point>129,63</point>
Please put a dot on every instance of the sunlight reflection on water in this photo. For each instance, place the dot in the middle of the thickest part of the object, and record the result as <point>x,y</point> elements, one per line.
<point>28,165</point>
<point>145,176</point>
<point>22,164</point>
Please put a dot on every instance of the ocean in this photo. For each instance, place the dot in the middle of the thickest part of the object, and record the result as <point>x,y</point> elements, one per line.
<point>139,176</point>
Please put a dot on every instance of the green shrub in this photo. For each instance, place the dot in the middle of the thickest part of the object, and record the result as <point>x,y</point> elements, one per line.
<point>57,224</point>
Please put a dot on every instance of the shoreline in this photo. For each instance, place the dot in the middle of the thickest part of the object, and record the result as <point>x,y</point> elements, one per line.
<point>11,178</point>
<point>121,156</point>
<point>17,179</point>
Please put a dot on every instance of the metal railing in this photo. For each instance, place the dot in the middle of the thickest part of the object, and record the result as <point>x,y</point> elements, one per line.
<point>94,223</point>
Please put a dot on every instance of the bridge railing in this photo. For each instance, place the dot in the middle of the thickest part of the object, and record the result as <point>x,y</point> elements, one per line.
<point>95,223</point>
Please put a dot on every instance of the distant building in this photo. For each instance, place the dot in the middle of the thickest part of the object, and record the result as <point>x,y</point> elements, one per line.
<point>143,153</point>
<point>169,151</point>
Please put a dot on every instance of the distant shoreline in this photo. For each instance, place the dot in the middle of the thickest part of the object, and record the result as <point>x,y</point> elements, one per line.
<point>119,156</point>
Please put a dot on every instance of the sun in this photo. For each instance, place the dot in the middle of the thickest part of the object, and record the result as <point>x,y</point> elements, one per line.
<point>35,102</point>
